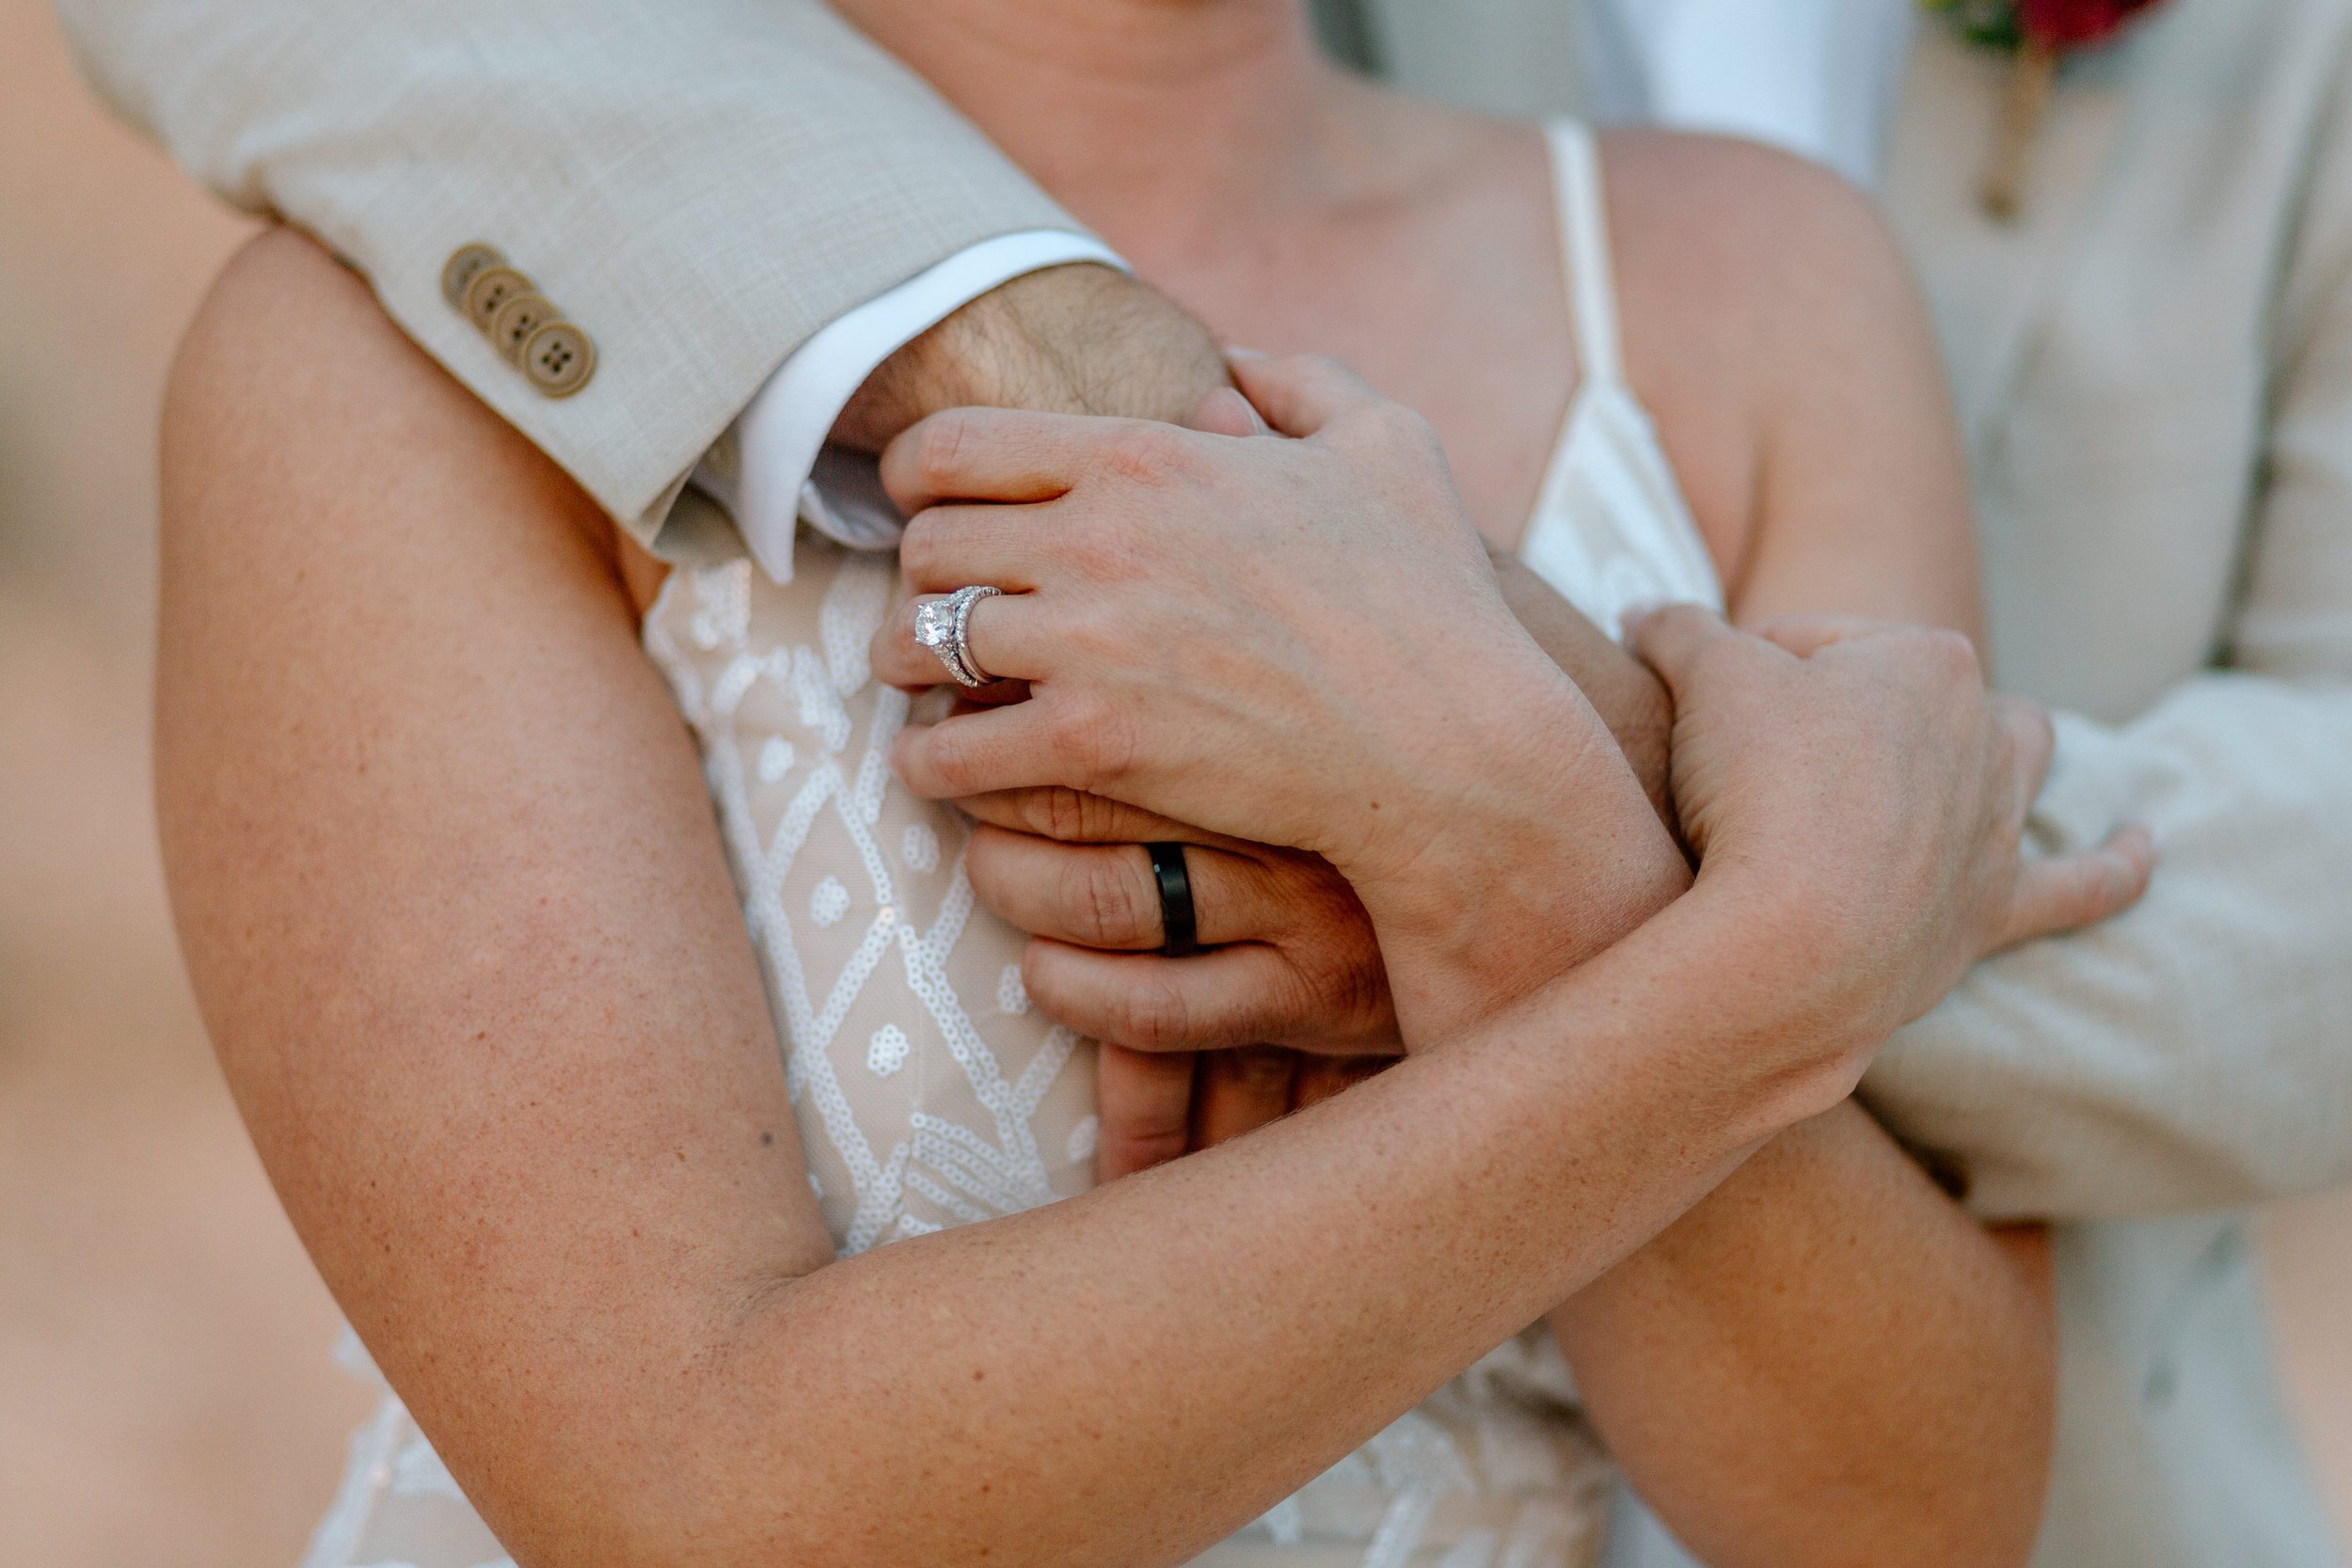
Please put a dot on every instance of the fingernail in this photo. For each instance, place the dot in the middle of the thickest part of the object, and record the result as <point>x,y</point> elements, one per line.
<point>1234,351</point>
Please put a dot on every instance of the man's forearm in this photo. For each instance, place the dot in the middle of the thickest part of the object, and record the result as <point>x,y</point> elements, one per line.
<point>1630,700</point>
<point>1078,339</point>
<point>2192,1054</point>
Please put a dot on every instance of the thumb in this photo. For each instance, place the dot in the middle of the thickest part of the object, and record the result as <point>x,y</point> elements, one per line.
<point>1300,393</point>
<point>1673,640</point>
<point>1223,411</point>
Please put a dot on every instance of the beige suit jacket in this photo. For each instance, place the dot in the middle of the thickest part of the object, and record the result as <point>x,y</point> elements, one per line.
<point>2154,367</point>
<point>2155,372</point>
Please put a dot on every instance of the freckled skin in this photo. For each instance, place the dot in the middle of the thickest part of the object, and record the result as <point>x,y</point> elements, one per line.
<point>408,749</point>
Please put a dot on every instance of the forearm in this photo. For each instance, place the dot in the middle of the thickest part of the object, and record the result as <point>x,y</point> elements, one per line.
<point>1766,1320</point>
<point>465,941</point>
<point>796,173</point>
<point>1138,1333</point>
<point>1782,1369</point>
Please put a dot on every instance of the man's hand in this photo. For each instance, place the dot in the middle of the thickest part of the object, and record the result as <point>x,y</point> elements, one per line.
<point>1073,339</point>
<point>1287,1005</point>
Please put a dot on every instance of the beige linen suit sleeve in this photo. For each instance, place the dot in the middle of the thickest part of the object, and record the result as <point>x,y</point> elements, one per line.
<point>698,185</point>
<point>2198,1052</point>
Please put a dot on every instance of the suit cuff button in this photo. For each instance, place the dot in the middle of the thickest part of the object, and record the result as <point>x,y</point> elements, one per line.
<point>559,358</point>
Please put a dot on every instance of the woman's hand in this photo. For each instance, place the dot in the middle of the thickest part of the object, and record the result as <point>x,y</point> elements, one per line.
<point>1862,779</point>
<point>1299,643</point>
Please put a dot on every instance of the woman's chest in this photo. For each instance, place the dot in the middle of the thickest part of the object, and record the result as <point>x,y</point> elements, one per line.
<point>928,1090</point>
<point>1457,310</point>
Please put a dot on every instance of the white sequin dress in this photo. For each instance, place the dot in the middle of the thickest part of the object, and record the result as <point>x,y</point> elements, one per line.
<point>929,1091</point>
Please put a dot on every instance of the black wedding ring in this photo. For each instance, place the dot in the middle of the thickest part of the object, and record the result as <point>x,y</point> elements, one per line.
<point>1179,936</point>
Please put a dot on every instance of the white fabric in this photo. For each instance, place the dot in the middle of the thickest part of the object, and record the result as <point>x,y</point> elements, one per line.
<point>1611,528</point>
<point>928,1091</point>
<point>780,435</point>
<point>1816,77</point>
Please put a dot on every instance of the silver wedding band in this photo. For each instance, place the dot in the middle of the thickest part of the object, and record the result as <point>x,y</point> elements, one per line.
<point>944,627</point>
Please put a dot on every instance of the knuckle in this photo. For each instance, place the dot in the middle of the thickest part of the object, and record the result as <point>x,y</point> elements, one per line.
<point>1394,428</point>
<point>1150,1015</point>
<point>1405,427</point>
<point>1950,654</point>
<point>949,764</point>
<point>1103,549</point>
<point>1055,812</point>
<point>1146,454</point>
<point>919,550</point>
<point>2006,748</point>
<point>1104,904</point>
<point>1094,740</point>
<point>1071,815</point>
<point>939,447</point>
<point>1098,819</point>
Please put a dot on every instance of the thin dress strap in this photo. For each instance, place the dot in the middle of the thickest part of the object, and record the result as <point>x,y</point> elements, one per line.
<point>1584,246</point>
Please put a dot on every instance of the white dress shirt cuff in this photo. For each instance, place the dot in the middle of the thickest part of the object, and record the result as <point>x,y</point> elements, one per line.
<point>778,480</point>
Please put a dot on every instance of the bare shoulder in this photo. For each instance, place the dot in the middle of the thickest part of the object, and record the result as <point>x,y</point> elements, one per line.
<point>293,384</point>
<point>264,328</point>
<point>1746,227</point>
<point>1740,268</point>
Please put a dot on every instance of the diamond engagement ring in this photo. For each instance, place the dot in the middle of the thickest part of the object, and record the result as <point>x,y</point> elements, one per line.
<point>941,626</point>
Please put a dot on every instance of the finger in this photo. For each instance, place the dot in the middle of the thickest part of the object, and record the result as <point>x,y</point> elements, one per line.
<point>1214,1000</point>
<point>1239,1091</point>
<point>999,636</point>
<point>1074,816</point>
<point>2033,740</point>
<point>1673,640</point>
<point>1806,635</point>
<point>1107,895</point>
<point>1300,393</point>
<point>1014,747</point>
<point>1223,411</point>
<point>948,546</point>
<point>992,455</point>
<point>2066,893</point>
<point>1145,1104</point>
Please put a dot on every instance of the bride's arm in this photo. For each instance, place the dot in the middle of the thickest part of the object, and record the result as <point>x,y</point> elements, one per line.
<point>453,898</point>
<point>1826,1361</point>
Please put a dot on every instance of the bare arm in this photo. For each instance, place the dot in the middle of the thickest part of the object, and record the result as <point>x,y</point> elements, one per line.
<point>451,896</point>
<point>1828,1306</point>
<point>1777,1343</point>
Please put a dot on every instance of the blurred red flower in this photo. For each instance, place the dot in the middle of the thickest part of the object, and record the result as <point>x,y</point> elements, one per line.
<point>2073,24</point>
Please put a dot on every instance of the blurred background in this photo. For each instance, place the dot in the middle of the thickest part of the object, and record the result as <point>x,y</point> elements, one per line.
<point>166,1396</point>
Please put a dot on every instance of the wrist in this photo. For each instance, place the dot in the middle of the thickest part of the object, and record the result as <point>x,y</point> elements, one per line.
<point>1729,968</point>
<point>1627,693</point>
<point>1081,338</point>
<point>1542,854</point>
